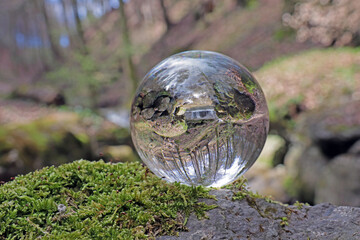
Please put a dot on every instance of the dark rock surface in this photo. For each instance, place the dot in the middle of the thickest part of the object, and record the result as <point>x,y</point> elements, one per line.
<point>328,167</point>
<point>258,219</point>
<point>355,149</point>
<point>339,182</point>
<point>335,129</point>
<point>309,166</point>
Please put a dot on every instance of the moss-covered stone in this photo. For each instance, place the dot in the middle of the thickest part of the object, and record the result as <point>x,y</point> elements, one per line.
<point>95,200</point>
<point>292,85</point>
<point>58,137</point>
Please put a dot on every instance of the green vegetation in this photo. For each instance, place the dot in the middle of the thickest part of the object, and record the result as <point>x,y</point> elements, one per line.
<point>38,134</point>
<point>284,33</point>
<point>300,205</point>
<point>249,84</point>
<point>233,104</point>
<point>284,222</point>
<point>291,84</point>
<point>241,191</point>
<point>96,200</point>
<point>252,4</point>
<point>48,140</point>
<point>82,78</point>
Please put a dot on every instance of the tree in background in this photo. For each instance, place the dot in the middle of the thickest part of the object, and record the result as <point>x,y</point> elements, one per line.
<point>66,20</point>
<point>49,30</point>
<point>79,26</point>
<point>326,22</point>
<point>127,46</point>
<point>165,15</point>
<point>77,46</point>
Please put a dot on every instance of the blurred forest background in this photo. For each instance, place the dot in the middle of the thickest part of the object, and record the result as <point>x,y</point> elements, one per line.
<point>69,68</point>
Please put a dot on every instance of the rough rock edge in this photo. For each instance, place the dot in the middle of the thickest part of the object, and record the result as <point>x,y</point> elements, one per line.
<point>253,218</point>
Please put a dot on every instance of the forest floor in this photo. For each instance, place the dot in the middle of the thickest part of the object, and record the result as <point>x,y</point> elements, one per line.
<point>252,35</point>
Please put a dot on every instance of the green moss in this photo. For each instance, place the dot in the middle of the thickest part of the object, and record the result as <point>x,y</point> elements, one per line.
<point>252,4</point>
<point>292,186</point>
<point>284,222</point>
<point>241,191</point>
<point>300,205</point>
<point>282,61</point>
<point>249,84</point>
<point>234,104</point>
<point>103,201</point>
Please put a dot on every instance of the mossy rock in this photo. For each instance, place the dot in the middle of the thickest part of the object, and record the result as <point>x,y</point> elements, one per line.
<point>53,139</point>
<point>96,200</point>
<point>56,138</point>
<point>310,80</point>
<point>299,88</point>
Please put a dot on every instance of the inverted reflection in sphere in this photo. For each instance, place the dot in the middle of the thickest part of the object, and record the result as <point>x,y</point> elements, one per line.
<point>199,118</point>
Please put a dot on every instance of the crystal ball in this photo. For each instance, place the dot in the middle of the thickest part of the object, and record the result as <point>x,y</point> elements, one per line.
<point>199,118</point>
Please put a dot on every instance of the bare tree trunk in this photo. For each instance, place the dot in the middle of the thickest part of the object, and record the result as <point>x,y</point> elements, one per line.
<point>79,27</point>
<point>64,9</point>
<point>165,15</point>
<point>54,49</point>
<point>127,46</point>
<point>10,40</point>
<point>38,58</point>
<point>66,21</point>
<point>103,8</point>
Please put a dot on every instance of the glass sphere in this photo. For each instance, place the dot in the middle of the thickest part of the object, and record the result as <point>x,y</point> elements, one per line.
<point>199,118</point>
